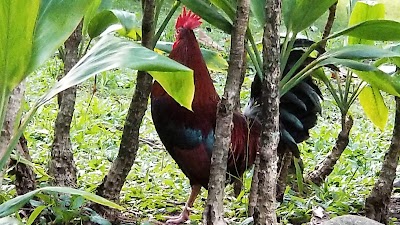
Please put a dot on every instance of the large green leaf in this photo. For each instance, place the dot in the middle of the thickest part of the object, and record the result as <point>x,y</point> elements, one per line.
<point>55,23</point>
<point>382,81</point>
<point>257,7</point>
<point>377,30</point>
<point>130,24</point>
<point>17,26</point>
<point>16,203</point>
<point>364,11</point>
<point>213,59</point>
<point>112,52</point>
<point>357,52</point>
<point>9,221</point>
<point>374,107</point>
<point>209,14</point>
<point>300,14</point>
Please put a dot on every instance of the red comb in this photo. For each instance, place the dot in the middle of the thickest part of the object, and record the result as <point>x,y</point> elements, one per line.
<point>188,20</point>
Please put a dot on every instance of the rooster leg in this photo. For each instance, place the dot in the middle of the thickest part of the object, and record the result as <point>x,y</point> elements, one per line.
<point>184,216</point>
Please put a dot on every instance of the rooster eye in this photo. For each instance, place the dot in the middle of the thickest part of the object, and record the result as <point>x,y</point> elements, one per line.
<point>179,30</point>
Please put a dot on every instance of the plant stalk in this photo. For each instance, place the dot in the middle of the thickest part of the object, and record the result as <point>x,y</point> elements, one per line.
<point>165,22</point>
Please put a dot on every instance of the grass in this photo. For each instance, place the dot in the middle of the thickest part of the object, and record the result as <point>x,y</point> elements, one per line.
<point>155,186</point>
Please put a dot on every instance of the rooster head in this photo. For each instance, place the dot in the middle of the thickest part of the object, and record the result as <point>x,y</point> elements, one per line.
<point>186,22</point>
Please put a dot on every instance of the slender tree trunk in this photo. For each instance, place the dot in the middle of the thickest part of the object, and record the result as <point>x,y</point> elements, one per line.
<point>284,163</point>
<point>112,183</point>
<point>238,182</point>
<point>325,168</point>
<point>376,205</point>
<point>24,175</point>
<point>213,212</point>
<point>264,211</point>
<point>62,165</point>
<point>329,23</point>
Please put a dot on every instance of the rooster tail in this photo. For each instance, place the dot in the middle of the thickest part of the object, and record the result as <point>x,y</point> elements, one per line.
<point>299,107</point>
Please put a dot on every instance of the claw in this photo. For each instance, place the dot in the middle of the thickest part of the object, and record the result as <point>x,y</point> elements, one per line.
<point>183,217</point>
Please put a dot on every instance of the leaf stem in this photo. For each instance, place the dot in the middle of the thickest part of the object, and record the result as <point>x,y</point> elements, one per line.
<point>165,22</point>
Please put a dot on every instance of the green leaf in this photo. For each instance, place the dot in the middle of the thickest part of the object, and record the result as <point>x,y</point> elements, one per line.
<point>112,52</point>
<point>16,203</point>
<point>257,7</point>
<point>130,23</point>
<point>382,81</point>
<point>229,7</point>
<point>89,196</point>
<point>35,214</point>
<point>13,205</point>
<point>300,14</point>
<point>374,107</point>
<point>209,14</point>
<point>377,30</point>
<point>348,63</point>
<point>9,221</point>
<point>17,26</point>
<point>213,59</point>
<point>90,13</point>
<point>55,23</point>
<point>357,52</point>
<point>364,11</point>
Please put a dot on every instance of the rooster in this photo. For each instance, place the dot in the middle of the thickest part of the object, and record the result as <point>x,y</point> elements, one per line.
<point>188,135</point>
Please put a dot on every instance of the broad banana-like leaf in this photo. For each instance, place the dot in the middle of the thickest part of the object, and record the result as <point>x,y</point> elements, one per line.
<point>213,59</point>
<point>364,11</point>
<point>209,14</point>
<point>111,52</point>
<point>130,24</point>
<point>374,107</point>
<point>55,23</point>
<point>13,205</point>
<point>31,32</point>
<point>17,26</point>
<point>300,14</point>
<point>376,30</point>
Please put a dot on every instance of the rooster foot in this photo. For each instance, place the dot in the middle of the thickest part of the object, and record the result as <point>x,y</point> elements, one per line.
<point>183,217</point>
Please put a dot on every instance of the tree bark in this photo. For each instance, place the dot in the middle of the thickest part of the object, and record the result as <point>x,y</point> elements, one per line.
<point>376,205</point>
<point>112,183</point>
<point>62,165</point>
<point>264,212</point>
<point>325,168</point>
<point>24,175</point>
<point>213,212</point>
<point>329,23</point>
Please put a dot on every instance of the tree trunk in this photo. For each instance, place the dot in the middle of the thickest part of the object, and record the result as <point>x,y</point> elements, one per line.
<point>325,168</point>
<point>284,163</point>
<point>329,23</point>
<point>264,211</point>
<point>376,205</point>
<point>62,165</point>
<point>24,175</point>
<point>112,183</point>
<point>213,212</point>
